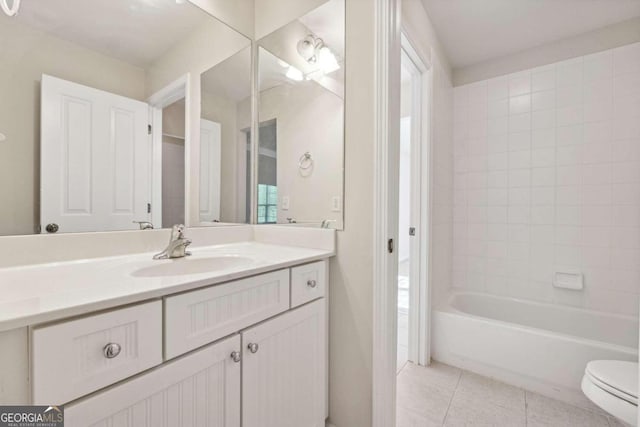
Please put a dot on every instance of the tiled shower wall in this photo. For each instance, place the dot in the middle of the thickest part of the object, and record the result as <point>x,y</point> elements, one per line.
<point>547,179</point>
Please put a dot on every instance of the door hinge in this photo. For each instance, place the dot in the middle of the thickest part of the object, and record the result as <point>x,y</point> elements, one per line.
<point>148,207</point>
<point>149,129</point>
<point>412,231</point>
<point>390,246</point>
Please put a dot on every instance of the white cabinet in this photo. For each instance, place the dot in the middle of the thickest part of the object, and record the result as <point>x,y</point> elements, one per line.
<point>283,370</point>
<point>196,318</point>
<point>250,352</point>
<point>200,389</point>
<point>308,282</point>
<point>72,359</point>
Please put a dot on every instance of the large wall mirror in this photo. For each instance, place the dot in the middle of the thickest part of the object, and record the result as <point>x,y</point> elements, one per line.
<point>120,114</point>
<point>300,147</point>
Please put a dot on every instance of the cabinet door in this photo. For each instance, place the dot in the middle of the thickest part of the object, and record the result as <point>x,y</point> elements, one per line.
<point>201,389</point>
<point>283,370</point>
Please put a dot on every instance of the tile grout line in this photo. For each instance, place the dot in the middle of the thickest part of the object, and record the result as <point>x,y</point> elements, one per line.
<point>455,390</point>
<point>526,409</point>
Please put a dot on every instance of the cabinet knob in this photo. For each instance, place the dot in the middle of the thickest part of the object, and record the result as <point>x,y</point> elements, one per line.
<point>235,356</point>
<point>111,350</point>
<point>253,347</point>
<point>52,228</point>
<point>312,283</point>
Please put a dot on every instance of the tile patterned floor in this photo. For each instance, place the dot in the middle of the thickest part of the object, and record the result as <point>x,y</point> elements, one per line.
<point>442,395</point>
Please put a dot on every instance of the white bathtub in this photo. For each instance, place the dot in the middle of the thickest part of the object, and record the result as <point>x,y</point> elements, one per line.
<point>539,347</point>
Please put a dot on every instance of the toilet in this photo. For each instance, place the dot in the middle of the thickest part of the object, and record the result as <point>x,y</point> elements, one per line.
<point>613,386</point>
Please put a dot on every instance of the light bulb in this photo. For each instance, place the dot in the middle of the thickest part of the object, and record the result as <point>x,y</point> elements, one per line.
<point>294,74</point>
<point>327,60</point>
<point>306,47</point>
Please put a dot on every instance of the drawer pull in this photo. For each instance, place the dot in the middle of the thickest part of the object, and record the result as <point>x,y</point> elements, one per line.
<point>235,356</point>
<point>253,347</point>
<point>111,350</point>
<point>312,283</point>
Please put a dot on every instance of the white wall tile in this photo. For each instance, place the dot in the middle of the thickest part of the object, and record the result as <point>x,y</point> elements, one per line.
<point>544,79</point>
<point>598,66</point>
<point>547,178</point>
<point>498,88</point>
<point>545,100</point>
<point>519,84</point>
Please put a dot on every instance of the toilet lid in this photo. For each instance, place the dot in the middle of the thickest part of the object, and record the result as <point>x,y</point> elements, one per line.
<point>620,378</point>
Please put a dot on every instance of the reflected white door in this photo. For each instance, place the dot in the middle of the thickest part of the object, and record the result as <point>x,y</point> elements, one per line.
<point>95,159</point>
<point>210,163</point>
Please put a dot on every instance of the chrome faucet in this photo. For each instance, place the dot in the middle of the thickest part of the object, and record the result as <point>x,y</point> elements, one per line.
<point>144,225</point>
<point>177,247</point>
<point>326,223</point>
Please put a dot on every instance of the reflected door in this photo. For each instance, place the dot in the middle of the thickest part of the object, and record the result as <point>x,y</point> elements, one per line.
<point>95,159</point>
<point>210,164</point>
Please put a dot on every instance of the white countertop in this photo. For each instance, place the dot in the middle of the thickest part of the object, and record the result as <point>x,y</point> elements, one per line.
<point>47,292</point>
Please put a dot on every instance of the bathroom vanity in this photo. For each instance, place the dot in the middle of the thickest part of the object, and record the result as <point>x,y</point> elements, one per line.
<point>235,334</point>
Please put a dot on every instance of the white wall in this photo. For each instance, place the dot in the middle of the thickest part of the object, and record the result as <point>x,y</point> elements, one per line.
<point>419,30</point>
<point>547,178</point>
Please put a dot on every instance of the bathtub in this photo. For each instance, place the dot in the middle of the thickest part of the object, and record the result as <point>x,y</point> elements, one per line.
<point>539,347</point>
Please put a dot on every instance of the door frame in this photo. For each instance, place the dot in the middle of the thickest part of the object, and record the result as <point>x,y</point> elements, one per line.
<point>421,174</point>
<point>174,91</point>
<point>386,149</point>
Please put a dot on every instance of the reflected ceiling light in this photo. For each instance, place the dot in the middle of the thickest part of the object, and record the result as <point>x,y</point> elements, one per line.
<point>307,48</point>
<point>10,10</point>
<point>283,64</point>
<point>313,50</point>
<point>294,74</point>
<point>327,60</point>
<point>181,1</point>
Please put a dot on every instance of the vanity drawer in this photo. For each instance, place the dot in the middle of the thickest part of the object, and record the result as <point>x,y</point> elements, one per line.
<point>196,318</point>
<point>71,359</point>
<point>308,282</point>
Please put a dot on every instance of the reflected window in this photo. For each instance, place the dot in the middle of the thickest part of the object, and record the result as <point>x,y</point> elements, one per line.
<point>267,204</point>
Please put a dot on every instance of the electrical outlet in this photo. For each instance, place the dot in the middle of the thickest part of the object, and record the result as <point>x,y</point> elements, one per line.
<point>285,203</point>
<point>336,204</point>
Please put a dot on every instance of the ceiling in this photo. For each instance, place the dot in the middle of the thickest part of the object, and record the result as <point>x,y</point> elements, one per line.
<point>135,31</point>
<point>473,31</point>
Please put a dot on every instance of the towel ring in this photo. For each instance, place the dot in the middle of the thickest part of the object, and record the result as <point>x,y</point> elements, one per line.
<point>305,161</point>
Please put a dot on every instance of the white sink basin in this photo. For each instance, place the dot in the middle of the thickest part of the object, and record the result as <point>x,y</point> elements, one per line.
<point>188,265</point>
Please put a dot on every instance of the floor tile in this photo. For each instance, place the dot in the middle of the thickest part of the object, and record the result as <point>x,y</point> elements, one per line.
<point>408,418</point>
<point>543,411</point>
<point>464,412</point>
<point>614,422</point>
<point>422,397</point>
<point>437,374</point>
<point>475,387</point>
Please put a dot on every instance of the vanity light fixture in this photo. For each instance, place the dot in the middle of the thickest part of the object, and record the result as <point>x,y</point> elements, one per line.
<point>313,50</point>
<point>10,10</point>
<point>294,74</point>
